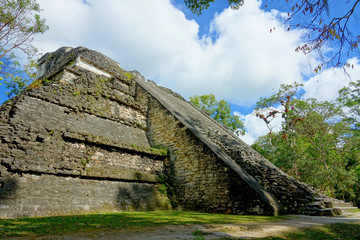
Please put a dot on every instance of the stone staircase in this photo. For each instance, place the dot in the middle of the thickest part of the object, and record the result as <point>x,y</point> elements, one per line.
<point>325,206</point>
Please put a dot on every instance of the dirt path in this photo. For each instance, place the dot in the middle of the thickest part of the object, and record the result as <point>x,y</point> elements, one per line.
<point>210,231</point>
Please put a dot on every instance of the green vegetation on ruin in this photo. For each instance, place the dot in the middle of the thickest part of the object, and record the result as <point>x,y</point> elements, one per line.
<point>128,75</point>
<point>37,83</point>
<point>32,227</point>
<point>160,151</point>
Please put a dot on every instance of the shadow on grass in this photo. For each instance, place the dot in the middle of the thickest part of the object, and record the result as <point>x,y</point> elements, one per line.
<point>338,231</point>
<point>122,220</point>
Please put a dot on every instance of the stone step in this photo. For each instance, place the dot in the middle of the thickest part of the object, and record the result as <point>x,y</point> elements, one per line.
<point>337,204</point>
<point>329,203</point>
<point>316,204</point>
<point>335,211</point>
<point>322,199</point>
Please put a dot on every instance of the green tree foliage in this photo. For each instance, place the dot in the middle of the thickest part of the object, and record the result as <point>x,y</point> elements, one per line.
<point>350,98</point>
<point>197,6</point>
<point>322,26</point>
<point>315,143</point>
<point>220,110</point>
<point>19,22</point>
<point>16,77</point>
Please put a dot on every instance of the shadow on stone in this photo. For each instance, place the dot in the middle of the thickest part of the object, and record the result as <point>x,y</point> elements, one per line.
<point>8,188</point>
<point>141,197</point>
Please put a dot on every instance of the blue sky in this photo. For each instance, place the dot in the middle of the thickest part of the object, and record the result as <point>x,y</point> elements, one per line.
<point>205,18</point>
<point>229,53</point>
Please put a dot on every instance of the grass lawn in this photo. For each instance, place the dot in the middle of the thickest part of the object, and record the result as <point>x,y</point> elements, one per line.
<point>337,231</point>
<point>121,220</point>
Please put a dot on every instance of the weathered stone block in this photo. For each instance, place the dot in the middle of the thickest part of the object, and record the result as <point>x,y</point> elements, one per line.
<point>88,136</point>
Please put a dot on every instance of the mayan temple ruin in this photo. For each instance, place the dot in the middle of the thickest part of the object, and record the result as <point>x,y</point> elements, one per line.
<point>88,136</point>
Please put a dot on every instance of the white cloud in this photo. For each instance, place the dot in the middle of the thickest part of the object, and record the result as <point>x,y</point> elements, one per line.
<point>243,64</point>
<point>138,34</point>
<point>246,61</point>
<point>326,84</point>
<point>323,86</point>
<point>256,127</point>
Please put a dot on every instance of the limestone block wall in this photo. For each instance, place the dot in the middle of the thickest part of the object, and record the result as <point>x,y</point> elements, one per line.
<point>201,180</point>
<point>76,142</point>
<point>26,195</point>
<point>89,136</point>
<point>293,195</point>
<point>286,194</point>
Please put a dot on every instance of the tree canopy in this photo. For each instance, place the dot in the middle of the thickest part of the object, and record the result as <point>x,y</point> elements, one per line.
<point>219,110</point>
<point>14,76</point>
<point>19,22</point>
<point>318,143</point>
<point>198,6</point>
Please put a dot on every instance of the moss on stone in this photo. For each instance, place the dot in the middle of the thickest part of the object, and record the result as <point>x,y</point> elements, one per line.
<point>120,145</point>
<point>137,176</point>
<point>76,93</point>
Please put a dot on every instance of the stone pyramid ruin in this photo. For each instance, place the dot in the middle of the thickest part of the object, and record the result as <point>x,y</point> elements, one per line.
<point>88,136</point>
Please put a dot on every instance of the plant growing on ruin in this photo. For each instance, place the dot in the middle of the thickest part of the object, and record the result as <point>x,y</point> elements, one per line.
<point>77,93</point>
<point>37,83</point>
<point>138,176</point>
<point>167,189</point>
